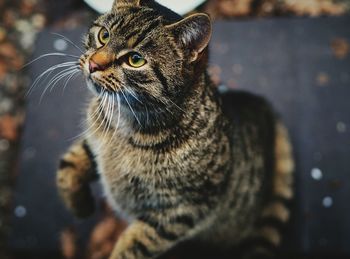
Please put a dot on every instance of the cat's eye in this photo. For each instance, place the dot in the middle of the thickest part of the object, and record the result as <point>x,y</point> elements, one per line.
<point>135,60</point>
<point>103,36</point>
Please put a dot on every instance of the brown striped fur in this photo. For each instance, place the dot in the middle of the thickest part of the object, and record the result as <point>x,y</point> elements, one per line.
<point>176,158</point>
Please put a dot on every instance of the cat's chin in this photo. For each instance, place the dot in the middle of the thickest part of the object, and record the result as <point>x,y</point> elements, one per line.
<point>127,99</point>
<point>95,87</point>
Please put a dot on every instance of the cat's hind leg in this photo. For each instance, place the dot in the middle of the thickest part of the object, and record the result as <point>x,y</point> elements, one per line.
<point>76,170</point>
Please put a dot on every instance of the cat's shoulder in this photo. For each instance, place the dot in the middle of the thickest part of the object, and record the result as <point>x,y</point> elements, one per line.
<point>246,106</point>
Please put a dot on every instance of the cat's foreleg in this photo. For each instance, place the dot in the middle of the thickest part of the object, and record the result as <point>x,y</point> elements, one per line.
<point>77,169</point>
<point>142,240</point>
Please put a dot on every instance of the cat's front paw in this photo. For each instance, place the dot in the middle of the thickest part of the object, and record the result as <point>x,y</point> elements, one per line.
<point>75,193</point>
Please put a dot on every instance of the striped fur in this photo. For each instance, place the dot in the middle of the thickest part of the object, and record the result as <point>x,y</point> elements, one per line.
<point>178,160</point>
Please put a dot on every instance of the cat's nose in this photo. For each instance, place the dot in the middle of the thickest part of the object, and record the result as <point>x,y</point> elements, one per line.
<point>101,60</point>
<point>93,67</point>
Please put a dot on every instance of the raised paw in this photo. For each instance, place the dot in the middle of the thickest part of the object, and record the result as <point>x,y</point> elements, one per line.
<point>75,194</point>
<point>73,179</point>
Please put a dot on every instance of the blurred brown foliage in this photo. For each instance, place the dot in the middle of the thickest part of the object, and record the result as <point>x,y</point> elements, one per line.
<point>252,8</point>
<point>101,240</point>
<point>340,47</point>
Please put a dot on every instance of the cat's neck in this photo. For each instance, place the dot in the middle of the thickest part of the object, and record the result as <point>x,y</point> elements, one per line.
<point>199,112</point>
<point>202,95</point>
<point>198,108</point>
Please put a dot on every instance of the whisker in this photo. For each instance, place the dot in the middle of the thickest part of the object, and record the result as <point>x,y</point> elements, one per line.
<point>106,118</point>
<point>73,75</point>
<point>111,113</point>
<point>54,82</point>
<point>101,113</point>
<point>97,113</point>
<point>117,125</point>
<point>133,95</point>
<point>73,68</point>
<point>49,70</point>
<point>100,97</point>
<point>147,115</point>
<point>99,110</point>
<point>71,42</point>
<point>176,106</point>
<point>126,99</point>
<point>48,55</point>
<point>118,100</point>
<point>156,114</point>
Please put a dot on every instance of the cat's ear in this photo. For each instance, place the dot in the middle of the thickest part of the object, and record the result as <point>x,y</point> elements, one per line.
<point>193,33</point>
<point>119,3</point>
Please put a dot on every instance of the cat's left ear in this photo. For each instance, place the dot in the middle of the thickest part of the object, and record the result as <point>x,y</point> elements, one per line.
<point>193,33</point>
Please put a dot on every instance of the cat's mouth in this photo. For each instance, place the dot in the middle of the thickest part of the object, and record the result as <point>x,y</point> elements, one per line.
<point>128,99</point>
<point>94,86</point>
<point>97,88</point>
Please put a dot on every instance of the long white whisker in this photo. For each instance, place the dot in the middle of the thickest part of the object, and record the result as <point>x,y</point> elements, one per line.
<point>98,112</point>
<point>176,106</point>
<point>48,55</point>
<point>117,125</point>
<point>105,120</point>
<point>55,81</point>
<point>156,117</point>
<point>54,78</point>
<point>147,115</point>
<point>118,100</point>
<point>68,75</point>
<point>126,99</point>
<point>106,117</point>
<point>48,72</point>
<point>111,114</point>
<point>101,113</point>
<point>73,75</point>
<point>60,75</point>
<point>133,95</point>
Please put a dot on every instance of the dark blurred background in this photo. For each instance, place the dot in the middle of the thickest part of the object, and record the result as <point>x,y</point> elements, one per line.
<point>294,52</point>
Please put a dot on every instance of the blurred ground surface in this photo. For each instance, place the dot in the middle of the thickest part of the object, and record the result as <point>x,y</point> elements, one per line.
<point>21,20</point>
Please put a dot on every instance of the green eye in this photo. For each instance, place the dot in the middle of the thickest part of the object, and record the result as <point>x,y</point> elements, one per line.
<point>103,36</point>
<point>136,60</point>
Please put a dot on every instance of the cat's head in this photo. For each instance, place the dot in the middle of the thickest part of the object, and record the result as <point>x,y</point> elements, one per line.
<point>145,54</point>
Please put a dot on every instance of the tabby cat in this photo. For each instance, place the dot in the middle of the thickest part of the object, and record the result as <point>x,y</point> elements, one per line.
<point>179,160</point>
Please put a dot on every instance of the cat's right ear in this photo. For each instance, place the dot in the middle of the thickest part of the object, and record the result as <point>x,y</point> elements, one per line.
<point>192,33</point>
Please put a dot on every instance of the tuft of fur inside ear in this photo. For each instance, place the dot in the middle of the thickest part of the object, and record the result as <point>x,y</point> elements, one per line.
<point>193,33</point>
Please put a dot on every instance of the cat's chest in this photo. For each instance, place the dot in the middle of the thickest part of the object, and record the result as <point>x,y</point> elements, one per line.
<point>120,153</point>
<point>116,157</point>
<point>135,180</point>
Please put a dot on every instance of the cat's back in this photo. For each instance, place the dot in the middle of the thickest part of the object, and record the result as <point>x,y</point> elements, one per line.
<point>252,136</point>
<point>252,117</point>
<point>253,132</point>
<point>246,108</point>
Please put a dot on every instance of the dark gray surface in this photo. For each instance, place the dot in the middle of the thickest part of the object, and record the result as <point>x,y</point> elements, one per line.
<point>52,123</point>
<point>281,59</point>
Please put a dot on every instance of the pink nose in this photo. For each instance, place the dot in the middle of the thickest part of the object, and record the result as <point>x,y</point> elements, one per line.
<point>93,67</point>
